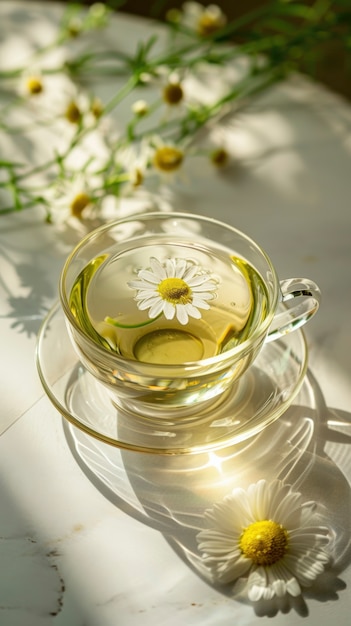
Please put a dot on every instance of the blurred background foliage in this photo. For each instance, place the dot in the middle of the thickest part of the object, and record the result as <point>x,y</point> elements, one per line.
<point>327,59</point>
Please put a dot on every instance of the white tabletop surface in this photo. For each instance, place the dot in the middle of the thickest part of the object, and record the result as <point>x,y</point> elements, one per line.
<point>69,556</point>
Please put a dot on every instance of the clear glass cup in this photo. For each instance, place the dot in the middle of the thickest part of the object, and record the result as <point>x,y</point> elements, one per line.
<point>168,310</point>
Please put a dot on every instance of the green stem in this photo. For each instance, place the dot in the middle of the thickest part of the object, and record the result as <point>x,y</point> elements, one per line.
<point>113,322</point>
<point>121,94</point>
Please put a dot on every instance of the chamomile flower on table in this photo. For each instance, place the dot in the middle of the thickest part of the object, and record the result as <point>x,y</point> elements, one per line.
<point>78,20</point>
<point>166,157</point>
<point>140,108</point>
<point>73,198</point>
<point>43,88</point>
<point>33,85</point>
<point>219,157</point>
<point>81,109</point>
<point>267,535</point>
<point>53,99</point>
<point>131,162</point>
<point>204,20</point>
<point>171,86</point>
<point>173,91</point>
<point>176,288</point>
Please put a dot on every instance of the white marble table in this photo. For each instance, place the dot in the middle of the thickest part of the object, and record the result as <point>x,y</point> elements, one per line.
<point>68,555</point>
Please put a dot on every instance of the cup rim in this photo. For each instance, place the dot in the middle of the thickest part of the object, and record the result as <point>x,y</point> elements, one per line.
<point>239,349</point>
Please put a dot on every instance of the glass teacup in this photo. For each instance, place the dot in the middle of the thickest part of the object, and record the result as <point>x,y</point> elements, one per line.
<point>168,310</point>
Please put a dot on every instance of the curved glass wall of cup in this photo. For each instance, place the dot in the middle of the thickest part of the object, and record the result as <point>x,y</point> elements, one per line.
<point>256,400</point>
<point>114,335</point>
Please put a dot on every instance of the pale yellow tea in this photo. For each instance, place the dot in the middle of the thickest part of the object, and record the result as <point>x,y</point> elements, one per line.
<point>168,302</point>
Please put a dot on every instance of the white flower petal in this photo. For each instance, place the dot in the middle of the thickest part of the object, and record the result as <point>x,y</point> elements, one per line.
<point>303,534</point>
<point>238,505</point>
<point>202,295</point>
<point>288,510</point>
<point>149,277</point>
<point>158,269</point>
<point>156,308</point>
<point>189,273</point>
<point>170,268</point>
<point>259,498</point>
<point>182,315</point>
<point>147,303</point>
<point>304,575</point>
<point>279,588</point>
<point>257,584</point>
<point>200,304</point>
<point>204,287</point>
<point>168,310</point>
<point>192,311</point>
<point>140,284</point>
<point>199,281</point>
<point>147,293</point>
<point>285,581</point>
<point>180,269</point>
<point>293,587</point>
<point>217,546</point>
<point>233,570</point>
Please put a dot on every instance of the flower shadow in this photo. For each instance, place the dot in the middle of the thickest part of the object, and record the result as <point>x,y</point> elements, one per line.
<point>325,590</point>
<point>33,252</point>
<point>32,267</point>
<point>28,311</point>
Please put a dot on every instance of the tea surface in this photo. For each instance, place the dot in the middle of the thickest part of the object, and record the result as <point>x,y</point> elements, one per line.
<point>168,303</point>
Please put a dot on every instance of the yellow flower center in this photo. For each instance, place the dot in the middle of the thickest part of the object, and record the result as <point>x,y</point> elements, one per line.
<point>137,177</point>
<point>34,85</point>
<point>175,290</point>
<point>79,203</point>
<point>173,93</point>
<point>72,113</point>
<point>96,108</point>
<point>210,23</point>
<point>168,158</point>
<point>220,157</point>
<point>74,27</point>
<point>264,542</point>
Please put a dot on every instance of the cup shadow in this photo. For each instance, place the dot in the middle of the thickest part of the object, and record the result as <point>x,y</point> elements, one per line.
<point>307,447</point>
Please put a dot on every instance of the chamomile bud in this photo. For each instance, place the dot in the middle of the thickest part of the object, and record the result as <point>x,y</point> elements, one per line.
<point>140,108</point>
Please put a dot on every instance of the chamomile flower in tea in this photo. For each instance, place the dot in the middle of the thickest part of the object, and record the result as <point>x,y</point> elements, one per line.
<point>175,288</point>
<point>167,300</point>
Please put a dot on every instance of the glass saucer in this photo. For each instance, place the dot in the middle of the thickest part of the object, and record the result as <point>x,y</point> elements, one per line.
<point>164,491</point>
<point>256,400</point>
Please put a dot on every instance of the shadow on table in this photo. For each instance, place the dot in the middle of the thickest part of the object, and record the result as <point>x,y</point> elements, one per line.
<point>308,447</point>
<point>32,254</point>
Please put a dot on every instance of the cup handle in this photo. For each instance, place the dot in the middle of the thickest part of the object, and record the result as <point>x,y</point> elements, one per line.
<point>302,297</point>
